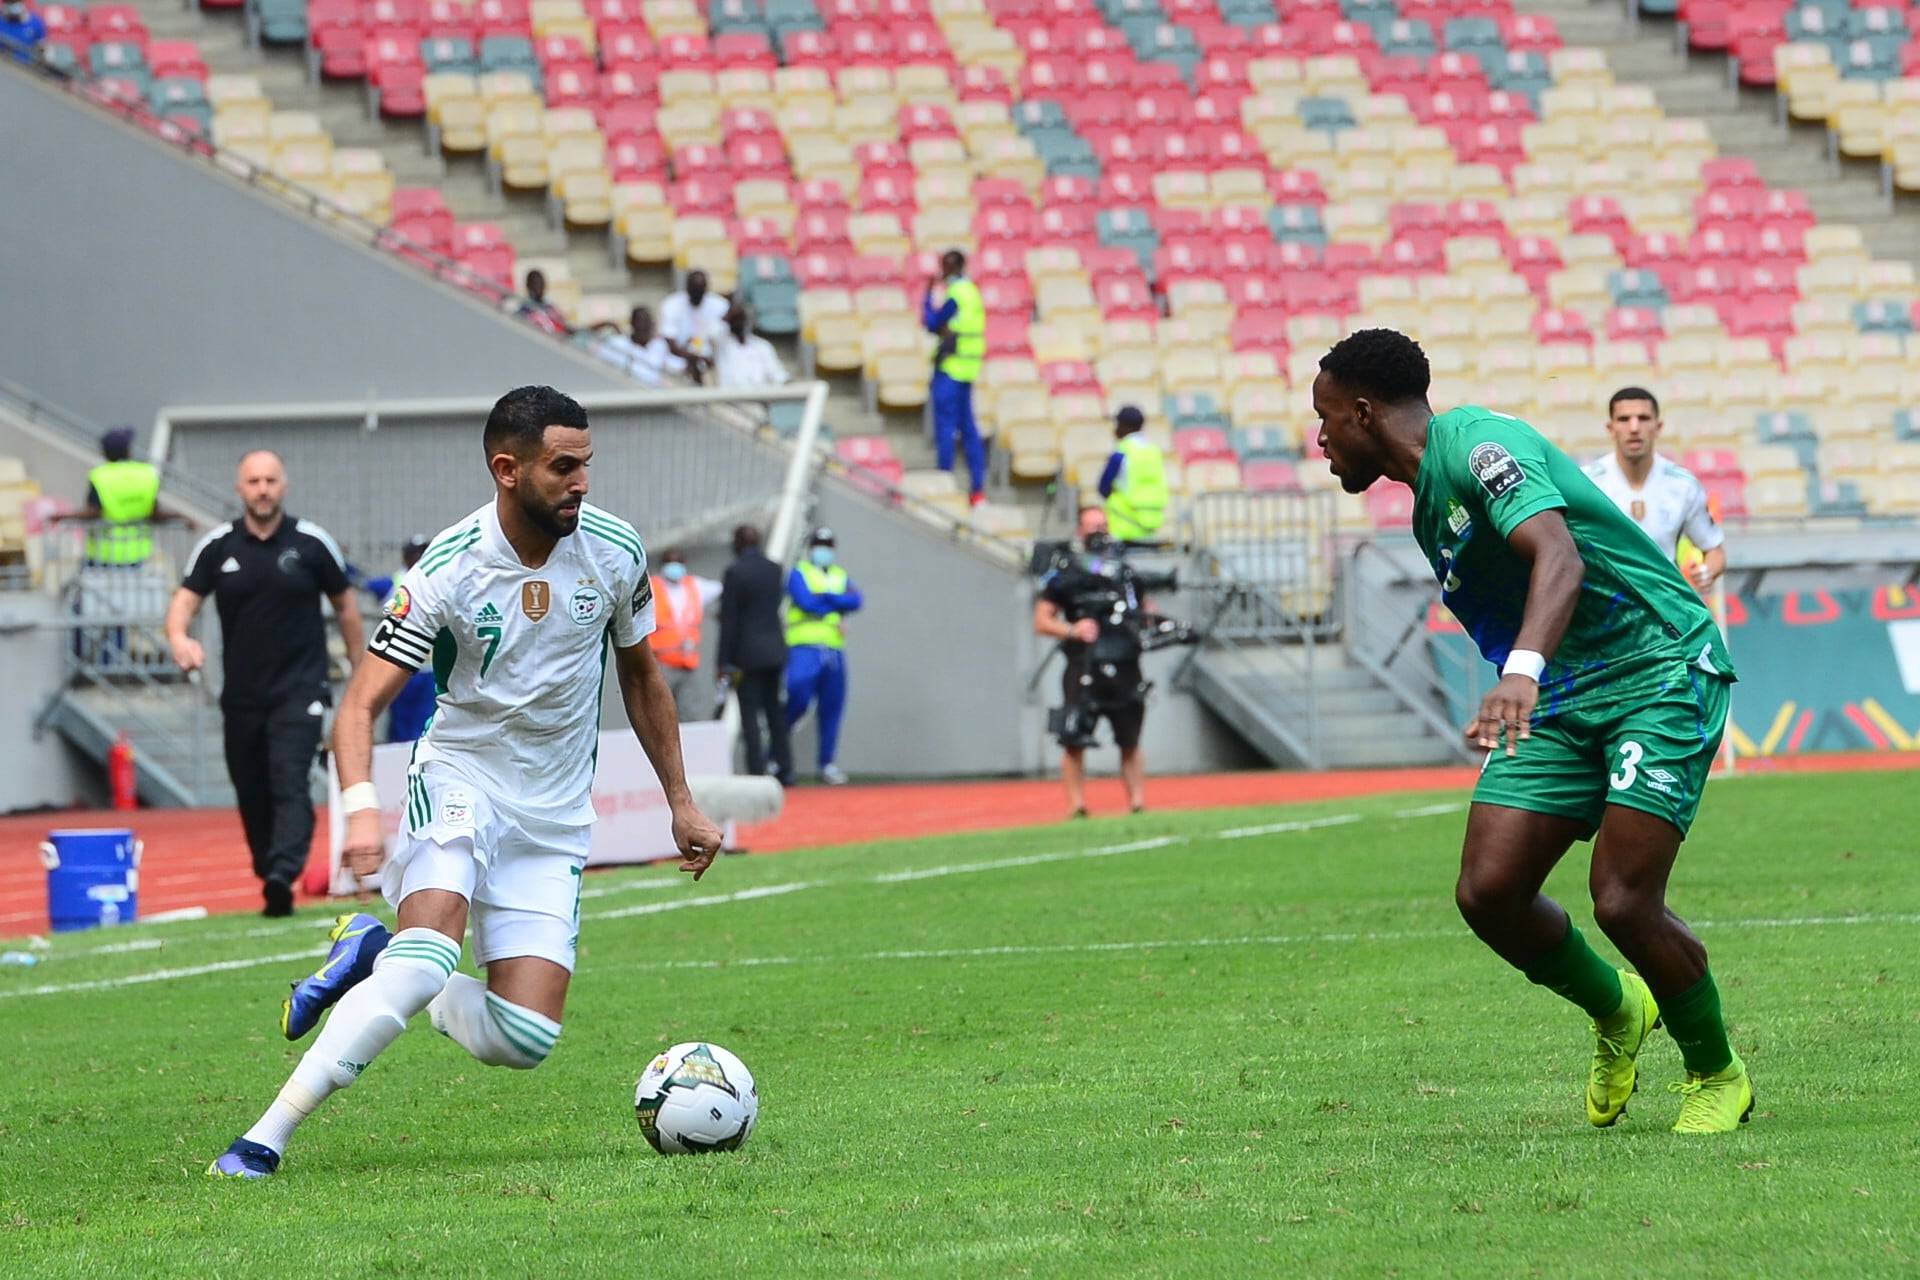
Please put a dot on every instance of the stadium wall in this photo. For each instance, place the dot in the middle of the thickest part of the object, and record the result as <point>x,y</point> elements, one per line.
<point>137,276</point>
<point>47,771</point>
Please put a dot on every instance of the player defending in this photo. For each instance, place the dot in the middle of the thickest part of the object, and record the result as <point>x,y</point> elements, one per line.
<point>1661,496</point>
<point>1612,698</point>
<point>515,606</point>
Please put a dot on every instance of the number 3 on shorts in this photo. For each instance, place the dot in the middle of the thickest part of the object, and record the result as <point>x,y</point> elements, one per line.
<point>1630,754</point>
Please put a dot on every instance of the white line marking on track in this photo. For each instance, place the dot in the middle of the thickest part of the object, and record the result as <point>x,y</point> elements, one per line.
<point>709,900</point>
<point>1029,860</point>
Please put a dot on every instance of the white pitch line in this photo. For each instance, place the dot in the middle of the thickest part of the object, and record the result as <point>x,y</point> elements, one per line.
<point>1028,860</point>
<point>157,975</point>
<point>1431,810</point>
<point>1278,828</point>
<point>708,900</point>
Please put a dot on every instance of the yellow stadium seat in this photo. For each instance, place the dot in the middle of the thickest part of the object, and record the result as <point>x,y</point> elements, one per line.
<point>1336,75</point>
<point>585,196</point>
<point>684,124</point>
<point>1579,66</point>
<point>1268,75</point>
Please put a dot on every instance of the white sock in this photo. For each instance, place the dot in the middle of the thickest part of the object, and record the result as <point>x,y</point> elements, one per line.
<point>495,1030</point>
<point>406,977</point>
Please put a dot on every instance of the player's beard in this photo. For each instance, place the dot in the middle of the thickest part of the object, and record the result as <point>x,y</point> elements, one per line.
<point>555,519</point>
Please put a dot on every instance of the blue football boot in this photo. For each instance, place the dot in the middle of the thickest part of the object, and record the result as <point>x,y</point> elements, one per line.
<point>358,939</point>
<point>245,1160</point>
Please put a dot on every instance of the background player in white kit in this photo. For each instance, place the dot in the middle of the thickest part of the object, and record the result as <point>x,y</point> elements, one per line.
<point>1663,497</point>
<point>516,608</point>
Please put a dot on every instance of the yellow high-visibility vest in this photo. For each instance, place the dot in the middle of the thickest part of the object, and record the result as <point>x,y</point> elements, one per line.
<point>812,628</point>
<point>128,492</point>
<point>1138,504</point>
<point>969,330</point>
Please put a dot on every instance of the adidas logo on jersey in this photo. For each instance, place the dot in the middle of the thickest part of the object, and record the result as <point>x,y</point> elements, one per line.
<point>231,566</point>
<point>487,613</point>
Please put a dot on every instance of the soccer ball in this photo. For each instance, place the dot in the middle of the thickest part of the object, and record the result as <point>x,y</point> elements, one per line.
<point>696,1097</point>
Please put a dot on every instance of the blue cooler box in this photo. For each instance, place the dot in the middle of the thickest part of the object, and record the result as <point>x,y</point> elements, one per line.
<point>93,877</point>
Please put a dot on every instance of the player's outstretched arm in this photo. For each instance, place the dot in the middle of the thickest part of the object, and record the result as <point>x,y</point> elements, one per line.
<point>1553,589</point>
<point>371,687</point>
<point>656,723</point>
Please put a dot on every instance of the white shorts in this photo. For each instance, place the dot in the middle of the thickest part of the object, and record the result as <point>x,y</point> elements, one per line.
<point>520,877</point>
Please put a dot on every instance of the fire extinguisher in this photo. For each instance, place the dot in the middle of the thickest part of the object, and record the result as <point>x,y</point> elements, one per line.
<point>120,776</point>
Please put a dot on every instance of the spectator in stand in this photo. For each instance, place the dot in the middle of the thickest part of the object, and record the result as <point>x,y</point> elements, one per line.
<point>693,321</point>
<point>535,307</point>
<point>23,28</point>
<point>680,601</point>
<point>267,572</point>
<point>753,651</point>
<point>644,356</point>
<point>742,358</point>
<point>821,594</point>
<point>123,499</point>
<point>960,322</point>
<point>1134,483</point>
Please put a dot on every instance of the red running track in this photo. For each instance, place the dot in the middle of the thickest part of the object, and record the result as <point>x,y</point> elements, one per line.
<point>198,857</point>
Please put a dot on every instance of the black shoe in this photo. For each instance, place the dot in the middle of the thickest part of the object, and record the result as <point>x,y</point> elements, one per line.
<point>1077,814</point>
<point>279,898</point>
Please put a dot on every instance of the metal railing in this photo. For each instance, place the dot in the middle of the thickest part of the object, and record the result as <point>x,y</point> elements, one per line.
<point>1387,604</point>
<point>114,581</point>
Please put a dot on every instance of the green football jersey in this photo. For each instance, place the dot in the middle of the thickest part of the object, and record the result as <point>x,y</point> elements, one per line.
<point>1484,473</point>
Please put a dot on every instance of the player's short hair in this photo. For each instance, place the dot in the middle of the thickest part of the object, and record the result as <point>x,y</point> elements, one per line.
<point>521,417</point>
<point>1633,393</point>
<point>1380,364</point>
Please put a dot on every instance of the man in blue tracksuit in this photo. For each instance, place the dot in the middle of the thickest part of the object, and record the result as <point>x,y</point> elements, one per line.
<point>819,593</point>
<point>960,323</point>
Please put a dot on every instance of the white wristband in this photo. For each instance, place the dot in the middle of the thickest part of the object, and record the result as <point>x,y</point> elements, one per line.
<point>1524,662</point>
<point>360,795</point>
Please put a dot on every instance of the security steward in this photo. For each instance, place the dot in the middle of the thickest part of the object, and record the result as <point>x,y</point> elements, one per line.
<point>680,601</point>
<point>1094,685</point>
<point>819,596</point>
<point>960,322</point>
<point>123,496</point>
<point>267,572</point>
<point>1134,482</point>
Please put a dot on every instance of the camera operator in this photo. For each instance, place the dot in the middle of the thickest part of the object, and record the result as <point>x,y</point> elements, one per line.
<point>1090,604</point>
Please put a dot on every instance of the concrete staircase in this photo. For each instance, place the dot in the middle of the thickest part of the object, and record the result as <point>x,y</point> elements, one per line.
<point>1743,121</point>
<point>1274,699</point>
<point>174,730</point>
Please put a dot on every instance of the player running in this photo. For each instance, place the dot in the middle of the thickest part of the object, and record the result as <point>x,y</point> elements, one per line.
<point>1611,701</point>
<point>1662,497</point>
<point>516,607</point>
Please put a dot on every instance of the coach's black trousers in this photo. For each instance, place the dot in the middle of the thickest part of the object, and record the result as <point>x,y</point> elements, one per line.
<point>760,693</point>
<point>269,751</point>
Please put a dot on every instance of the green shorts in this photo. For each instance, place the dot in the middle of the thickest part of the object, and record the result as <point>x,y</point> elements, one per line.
<point>1651,753</point>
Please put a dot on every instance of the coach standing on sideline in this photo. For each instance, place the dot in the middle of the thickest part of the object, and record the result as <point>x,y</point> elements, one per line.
<point>266,573</point>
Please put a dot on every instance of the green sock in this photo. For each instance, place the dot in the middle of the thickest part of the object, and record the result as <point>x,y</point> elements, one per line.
<point>1693,1020</point>
<point>1574,971</point>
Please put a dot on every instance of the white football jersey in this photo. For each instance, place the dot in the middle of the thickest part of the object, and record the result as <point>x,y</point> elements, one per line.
<point>1671,502</point>
<point>519,654</point>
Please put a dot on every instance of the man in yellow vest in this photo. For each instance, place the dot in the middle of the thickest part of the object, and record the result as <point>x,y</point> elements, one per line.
<point>960,322</point>
<point>680,601</point>
<point>819,594</point>
<point>123,499</point>
<point>1134,482</point>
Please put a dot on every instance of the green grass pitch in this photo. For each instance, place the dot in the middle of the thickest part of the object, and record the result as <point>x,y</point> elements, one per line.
<point>1256,1042</point>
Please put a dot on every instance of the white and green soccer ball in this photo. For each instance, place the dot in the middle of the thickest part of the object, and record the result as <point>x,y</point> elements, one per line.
<point>696,1097</point>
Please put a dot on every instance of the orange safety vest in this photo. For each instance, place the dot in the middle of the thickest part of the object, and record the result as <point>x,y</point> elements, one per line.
<point>676,640</point>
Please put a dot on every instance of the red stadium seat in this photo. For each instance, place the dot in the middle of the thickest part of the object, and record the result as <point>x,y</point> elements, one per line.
<point>1390,505</point>
<point>1202,444</point>
<point>401,88</point>
<point>1272,475</point>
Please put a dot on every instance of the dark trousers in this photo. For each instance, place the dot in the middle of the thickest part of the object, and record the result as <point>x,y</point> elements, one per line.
<point>760,700</point>
<point>269,751</point>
